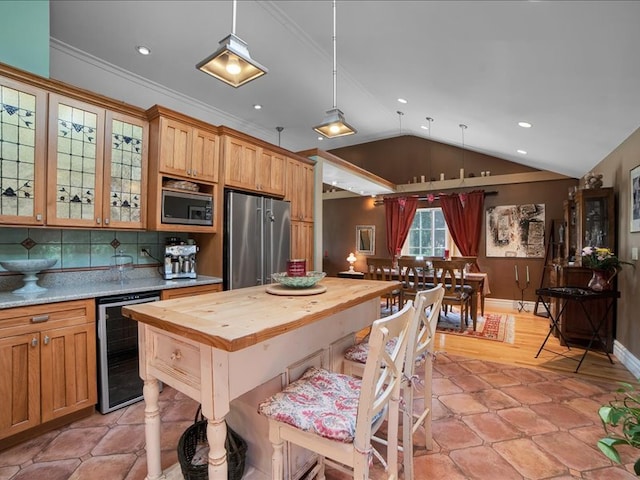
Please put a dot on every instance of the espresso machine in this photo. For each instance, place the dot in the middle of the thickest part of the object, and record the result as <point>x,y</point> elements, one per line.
<point>180,260</point>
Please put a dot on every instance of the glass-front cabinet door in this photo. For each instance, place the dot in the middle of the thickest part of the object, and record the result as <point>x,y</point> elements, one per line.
<point>97,169</point>
<point>75,156</point>
<point>22,153</point>
<point>125,167</point>
<point>595,218</point>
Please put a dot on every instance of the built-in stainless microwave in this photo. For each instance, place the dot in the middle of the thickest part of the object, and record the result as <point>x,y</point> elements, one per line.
<point>187,208</point>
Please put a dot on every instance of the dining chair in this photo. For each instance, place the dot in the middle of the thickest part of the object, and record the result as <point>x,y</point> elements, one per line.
<point>413,276</point>
<point>450,273</point>
<point>382,269</point>
<point>471,261</point>
<point>419,350</point>
<point>335,415</point>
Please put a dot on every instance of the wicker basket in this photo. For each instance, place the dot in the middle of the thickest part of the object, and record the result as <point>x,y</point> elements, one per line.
<point>197,434</point>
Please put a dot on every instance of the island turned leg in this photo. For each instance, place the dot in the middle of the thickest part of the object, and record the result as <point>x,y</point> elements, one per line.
<point>151,392</point>
<point>216,434</point>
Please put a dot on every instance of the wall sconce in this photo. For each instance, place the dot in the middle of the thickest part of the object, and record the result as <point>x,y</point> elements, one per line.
<point>351,259</point>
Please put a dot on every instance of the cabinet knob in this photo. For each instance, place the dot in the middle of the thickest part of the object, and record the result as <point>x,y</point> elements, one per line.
<point>98,220</point>
<point>195,173</point>
<point>34,342</point>
<point>189,171</point>
<point>176,355</point>
<point>39,217</point>
<point>106,221</point>
<point>46,339</point>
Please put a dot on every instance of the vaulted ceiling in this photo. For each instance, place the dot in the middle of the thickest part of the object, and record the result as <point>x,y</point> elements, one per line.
<point>569,68</point>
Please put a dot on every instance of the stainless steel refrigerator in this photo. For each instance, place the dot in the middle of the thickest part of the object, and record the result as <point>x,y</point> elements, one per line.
<point>257,239</point>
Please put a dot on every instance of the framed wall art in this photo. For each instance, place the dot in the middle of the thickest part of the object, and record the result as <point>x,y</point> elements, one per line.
<point>515,231</point>
<point>366,239</point>
<point>634,199</point>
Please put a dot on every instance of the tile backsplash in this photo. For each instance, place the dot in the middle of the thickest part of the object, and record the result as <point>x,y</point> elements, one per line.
<point>80,248</point>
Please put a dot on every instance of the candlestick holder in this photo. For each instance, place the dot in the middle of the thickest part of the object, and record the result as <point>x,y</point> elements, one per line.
<point>521,304</point>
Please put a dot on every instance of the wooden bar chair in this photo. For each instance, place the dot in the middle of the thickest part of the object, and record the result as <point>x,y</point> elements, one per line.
<point>450,273</point>
<point>382,269</point>
<point>335,415</point>
<point>419,349</point>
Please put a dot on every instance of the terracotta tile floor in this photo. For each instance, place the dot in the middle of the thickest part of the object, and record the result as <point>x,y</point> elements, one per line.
<point>491,421</point>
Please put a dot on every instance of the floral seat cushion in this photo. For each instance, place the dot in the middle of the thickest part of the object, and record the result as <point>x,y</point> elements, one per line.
<point>321,402</point>
<point>360,351</point>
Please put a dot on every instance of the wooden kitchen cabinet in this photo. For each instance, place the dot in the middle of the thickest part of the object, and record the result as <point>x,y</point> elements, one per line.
<point>183,149</point>
<point>249,166</point>
<point>23,126</point>
<point>48,360</point>
<point>302,242</point>
<point>171,293</point>
<point>300,189</point>
<point>97,166</point>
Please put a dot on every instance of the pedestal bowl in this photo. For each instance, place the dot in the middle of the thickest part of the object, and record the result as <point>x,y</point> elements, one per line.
<point>29,268</point>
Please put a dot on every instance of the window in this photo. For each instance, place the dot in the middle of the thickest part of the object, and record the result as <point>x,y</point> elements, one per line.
<point>428,236</point>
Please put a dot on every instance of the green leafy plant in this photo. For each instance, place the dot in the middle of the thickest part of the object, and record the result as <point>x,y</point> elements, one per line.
<point>621,421</point>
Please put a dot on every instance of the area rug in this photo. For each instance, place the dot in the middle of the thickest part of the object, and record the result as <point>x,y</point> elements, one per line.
<point>491,326</point>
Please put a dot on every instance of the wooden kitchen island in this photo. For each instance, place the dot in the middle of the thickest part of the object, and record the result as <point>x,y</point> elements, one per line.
<point>220,347</point>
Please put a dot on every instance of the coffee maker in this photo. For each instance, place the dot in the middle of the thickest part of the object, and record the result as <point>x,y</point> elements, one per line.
<point>179,259</point>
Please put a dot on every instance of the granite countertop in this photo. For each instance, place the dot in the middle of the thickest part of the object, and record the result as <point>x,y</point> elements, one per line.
<point>62,287</point>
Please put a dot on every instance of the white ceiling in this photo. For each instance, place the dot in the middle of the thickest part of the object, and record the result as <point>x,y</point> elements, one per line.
<point>572,68</point>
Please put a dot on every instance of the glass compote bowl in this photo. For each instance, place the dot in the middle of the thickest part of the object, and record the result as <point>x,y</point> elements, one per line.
<point>29,268</point>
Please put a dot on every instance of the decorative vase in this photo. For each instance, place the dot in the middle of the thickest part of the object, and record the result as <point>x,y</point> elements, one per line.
<point>600,280</point>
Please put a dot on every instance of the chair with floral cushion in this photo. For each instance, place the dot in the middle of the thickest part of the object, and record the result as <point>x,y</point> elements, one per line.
<point>335,415</point>
<point>420,349</point>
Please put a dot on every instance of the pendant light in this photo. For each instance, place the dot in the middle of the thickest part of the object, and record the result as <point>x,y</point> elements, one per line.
<point>334,124</point>
<point>430,120</point>
<point>232,63</point>
<point>463,127</point>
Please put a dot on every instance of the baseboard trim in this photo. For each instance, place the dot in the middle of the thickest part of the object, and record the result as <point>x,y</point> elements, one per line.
<point>627,358</point>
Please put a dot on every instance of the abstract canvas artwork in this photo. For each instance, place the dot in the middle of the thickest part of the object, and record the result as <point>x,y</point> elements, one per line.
<point>515,231</point>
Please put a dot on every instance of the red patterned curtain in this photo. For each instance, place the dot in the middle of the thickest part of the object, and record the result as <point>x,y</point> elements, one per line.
<point>463,213</point>
<point>399,212</point>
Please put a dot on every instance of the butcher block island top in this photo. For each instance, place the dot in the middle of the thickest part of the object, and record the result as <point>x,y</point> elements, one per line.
<point>237,319</point>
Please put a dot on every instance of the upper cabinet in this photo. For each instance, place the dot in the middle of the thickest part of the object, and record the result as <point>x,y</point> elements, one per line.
<point>183,150</point>
<point>184,162</point>
<point>22,158</point>
<point>300,188</point>
<point>252,167</point>
<point>97,163</point>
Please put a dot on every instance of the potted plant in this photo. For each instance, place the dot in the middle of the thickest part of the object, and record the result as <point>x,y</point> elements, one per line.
<point>605,266</point>
<point>621,421</point>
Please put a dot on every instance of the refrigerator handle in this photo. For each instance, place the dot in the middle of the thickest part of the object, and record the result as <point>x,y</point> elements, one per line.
<point>271,216</point>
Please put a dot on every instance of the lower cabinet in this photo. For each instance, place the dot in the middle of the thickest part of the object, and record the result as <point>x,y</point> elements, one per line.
<point>48,363</point>
<point>189,291</point>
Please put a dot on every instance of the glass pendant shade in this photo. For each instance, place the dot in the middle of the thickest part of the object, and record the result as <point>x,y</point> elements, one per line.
<point>334,125</point>
<point>232,63</point>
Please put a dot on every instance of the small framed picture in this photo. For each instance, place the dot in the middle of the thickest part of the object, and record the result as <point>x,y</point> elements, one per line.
<point>634,199</point>
<point>366,239</point>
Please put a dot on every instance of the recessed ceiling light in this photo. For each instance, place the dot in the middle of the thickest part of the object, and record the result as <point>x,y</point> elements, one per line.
<point>424,127</point>
<point>524,124</point>
<point>521,152</point>
<point>142,50</point>
<point>334,183</point>
<point>257,106</point>
<point>402,100</point>
<point>320,138</point>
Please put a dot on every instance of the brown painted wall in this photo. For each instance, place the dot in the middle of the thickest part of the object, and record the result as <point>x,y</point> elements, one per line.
<point>616,167</point>
<point>399,159</point>
<point>341,216</point>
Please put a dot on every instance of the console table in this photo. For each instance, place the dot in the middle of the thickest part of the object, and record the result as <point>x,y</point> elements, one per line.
<point>580,296</point>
